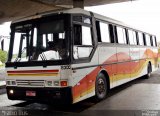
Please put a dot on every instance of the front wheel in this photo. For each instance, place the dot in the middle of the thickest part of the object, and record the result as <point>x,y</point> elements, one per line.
<point>100,87</point>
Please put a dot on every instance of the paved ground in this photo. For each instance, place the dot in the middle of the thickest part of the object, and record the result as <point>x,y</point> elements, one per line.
<point>140,97</point>
<point>2,74</point>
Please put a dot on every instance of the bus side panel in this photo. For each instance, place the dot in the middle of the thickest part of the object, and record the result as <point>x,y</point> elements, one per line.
<point>108,56</point>
<point>134,63</point>
<point>147,55</point>
<point>155,59</point>
<point>84,76</point>
<point>143,61</point>
<point>123,67</point>
<point>112,59</point>
<point>84,79</point>
<point>152,54</point>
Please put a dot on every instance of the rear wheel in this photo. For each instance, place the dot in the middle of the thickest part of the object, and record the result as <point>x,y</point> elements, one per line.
<point>149,70</point>
<point>101,87</point>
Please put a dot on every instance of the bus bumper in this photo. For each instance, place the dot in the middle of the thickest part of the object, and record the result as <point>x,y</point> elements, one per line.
<point>54,95</point>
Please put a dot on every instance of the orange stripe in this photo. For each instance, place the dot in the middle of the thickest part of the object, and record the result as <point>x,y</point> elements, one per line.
<point>131,67</point>
<point>33,71</point>
<point>32,74</point>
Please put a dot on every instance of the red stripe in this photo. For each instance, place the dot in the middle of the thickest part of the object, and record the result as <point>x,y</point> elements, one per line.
<point>32,71</point>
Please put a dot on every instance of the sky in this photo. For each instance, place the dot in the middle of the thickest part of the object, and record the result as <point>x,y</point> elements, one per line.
<point>5,31</point>
<point>141,14</point>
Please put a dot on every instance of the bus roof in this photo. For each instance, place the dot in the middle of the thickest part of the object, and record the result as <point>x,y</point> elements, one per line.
<point>76,11</point>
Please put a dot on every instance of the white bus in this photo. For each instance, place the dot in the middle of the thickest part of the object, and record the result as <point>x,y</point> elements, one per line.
<point>70,55</point>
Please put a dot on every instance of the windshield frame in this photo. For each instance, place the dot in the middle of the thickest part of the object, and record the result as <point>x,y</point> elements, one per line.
<point>67,25</point>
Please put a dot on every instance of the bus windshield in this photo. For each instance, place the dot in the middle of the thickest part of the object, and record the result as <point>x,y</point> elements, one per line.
<point>39,41</point>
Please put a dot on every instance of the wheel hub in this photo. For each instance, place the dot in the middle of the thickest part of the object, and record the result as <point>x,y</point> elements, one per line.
<point>101,86</point>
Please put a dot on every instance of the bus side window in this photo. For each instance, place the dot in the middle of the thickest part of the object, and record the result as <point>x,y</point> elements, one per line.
<point>82,35</point>
<point>121,35</point>
<point>155,41</point>
<point>86,36</point>
<point>148,42</point>
<point>151,39</point>
<point>103,32</point>
<point>77,35</point>
<point>83,44</point>
<point>144,39</point>
<point>111,32</point>
<point>140,37</point>
<point>98,31</point>
<point>132,37</point>
<point>135,38</point>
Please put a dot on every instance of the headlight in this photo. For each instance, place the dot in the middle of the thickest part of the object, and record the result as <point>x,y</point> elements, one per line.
<point>11,91</point>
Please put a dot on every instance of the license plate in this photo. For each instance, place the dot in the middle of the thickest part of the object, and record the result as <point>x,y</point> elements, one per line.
<point>30,93</point>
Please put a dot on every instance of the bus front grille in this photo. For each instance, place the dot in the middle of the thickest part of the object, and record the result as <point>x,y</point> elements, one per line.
<point>30,83</point>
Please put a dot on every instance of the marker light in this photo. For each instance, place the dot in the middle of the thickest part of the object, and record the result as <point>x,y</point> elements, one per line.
<point>56,83</point>
<point>64,83</point>
<point>49,83</point>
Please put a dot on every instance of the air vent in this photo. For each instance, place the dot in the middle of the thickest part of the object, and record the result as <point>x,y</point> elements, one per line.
<point>30,83</point>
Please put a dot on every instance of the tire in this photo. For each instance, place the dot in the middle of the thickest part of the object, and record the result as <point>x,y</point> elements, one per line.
<point>101,89</point>
<point>149,70</point>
